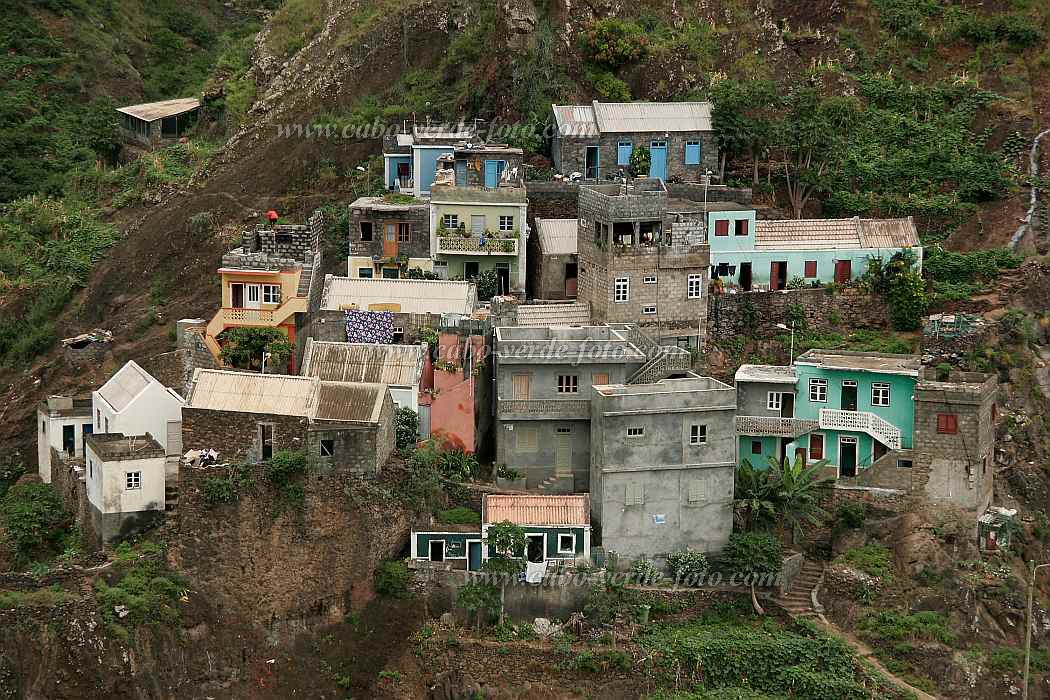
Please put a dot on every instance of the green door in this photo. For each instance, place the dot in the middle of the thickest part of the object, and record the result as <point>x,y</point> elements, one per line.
<point>474,555</point>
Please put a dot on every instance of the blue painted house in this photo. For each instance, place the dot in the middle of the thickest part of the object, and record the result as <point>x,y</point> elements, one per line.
<point>758,254</point>
<point>849,408</point>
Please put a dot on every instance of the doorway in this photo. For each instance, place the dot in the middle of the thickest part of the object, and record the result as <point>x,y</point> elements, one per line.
<point>745,276</point>
<point>848,401</point>
<point>390,241</point>
<point>503,278</point>
<point>787,405</point>
<point>843,271</point>
<point>252,296</point>
<point>470,270</point>
<point>534,549</point>
<point>658,159</point>
<point>69,439</point>
<point>461,173</point>
<point>237,295</point>
<point>266,440</point>
<point>473,555</point>
<point>591,164</point>
<point>847,456</point>
<point>563,451</point>
<point>778,274</point>
<point>571,272</point>
<point>436,549</point>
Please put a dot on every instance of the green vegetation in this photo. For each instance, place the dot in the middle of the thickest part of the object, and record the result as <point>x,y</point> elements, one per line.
<point>460,515</point>
<point>872,559</point>
<point>786,494</point>
<point>284,472</point>
<point>687,565</point>
<point>49,597</point>
<point>244,347</point>
<point>406,429</point>
<point>34,520</point>
<point>451,463</point>
<point>962,275</point>
<point>392,579</point>
<point>227,487</point>
<point>613,42</point>
<point>899,282</point>
<point>146,593</point>
<point>891,626</point>
<point>487,283</point>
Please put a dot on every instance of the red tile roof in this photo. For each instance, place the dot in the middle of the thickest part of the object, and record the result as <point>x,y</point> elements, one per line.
<point>538,510</point>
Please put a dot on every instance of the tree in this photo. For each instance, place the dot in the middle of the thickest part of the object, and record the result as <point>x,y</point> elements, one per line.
<point>755,555</point>
<point>753,502</point>
<point>487,283</point>
<point>797,492</point>
<point>244,347</point>
<point>33,518</point>
<point>901,285</point>
<point>742,120</point>
<point>478,598</point>
<point>641,161</point>
<point>506,539</point>
<point>406,428</point>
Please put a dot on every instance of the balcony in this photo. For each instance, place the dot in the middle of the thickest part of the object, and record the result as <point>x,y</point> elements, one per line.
<point>864,422</point>
<point>539,409</point>
<point>268,318</point>
<point>774,426</point>
<point>472,245</point>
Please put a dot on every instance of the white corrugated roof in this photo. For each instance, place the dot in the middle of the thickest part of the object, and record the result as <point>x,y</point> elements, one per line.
<point>575,120</point>
<point>557,236</point>
<point>888,233</point>
<point>834,234</point>
<point>400,295</point>
<point>399,365</point>
<point>626,117</point>
<point>151,111</point>
<point>122,388</point>
<point>546,315</point>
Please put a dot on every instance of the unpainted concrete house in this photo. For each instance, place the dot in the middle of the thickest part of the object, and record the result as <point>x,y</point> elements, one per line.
<point>597,140</point>
<point>389,236</point>
<point>553,259</point>
<point>663,463</point>
<point>250,417</point>
<point>153,123</point>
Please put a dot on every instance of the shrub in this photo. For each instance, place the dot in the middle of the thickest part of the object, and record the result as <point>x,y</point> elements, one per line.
<point>487,283</point>
<point>245,347</point>
<point>219,489</point>
<point>147,590</point>
<point>392,579</point>
<point>872,559</point>
<point>609,86</point>
<point>505,472</point>
<point>641,160</point>
<point>758,553</point>
<point>406,428</point>
<point>460,515</point>
<point>614,42</point>
<point>897,627</point>
<point>645,573</point>
<point>852,515</point>
<point>687,565</point>
<point>33,517</point>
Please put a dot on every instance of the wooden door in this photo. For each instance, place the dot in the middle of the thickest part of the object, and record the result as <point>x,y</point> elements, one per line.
<point>390,241</point>
<point>237,295</point>
<point>843,271</point>
<point>521,386</point>
<point>563,451</point>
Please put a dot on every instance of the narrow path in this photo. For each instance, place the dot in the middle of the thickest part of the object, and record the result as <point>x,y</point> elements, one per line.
<point>864,651</point>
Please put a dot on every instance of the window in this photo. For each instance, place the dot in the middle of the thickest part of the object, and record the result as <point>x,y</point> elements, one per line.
<point>477,223</point>
<point>741,227</point>
<point>563,430</point>
<point>568,384</point>
<point>404,233</point>
<point>566,543</point>
<point>397,334</point>
<point>636,431</point>
<point>756,447</point>
<point>91,469</point>
<point>811,268</point>
<point>471,269</point>
<point>697,434</point>
<point>816,446</point>
<point>450,220</point>
<point>43,426</point>
<point>692,153</point>
<point>622,290</point>
<point>441,269</point>
<point>506,223</point>
<point>880,394</point>
<point>391,273</point>
<point>271,294</point>
<point>133,480</point>
<point>528,439</point>
<point>649,279</point>
<point>694,286</point>
<point>98,417</point>
<point>600,378</point>
<point>696,491</point>
<point>904,464</point>
<point>722,227</point>
<point>773,400</point>
<point>648,309</point>
<point>947,423</point>
<point>107,425</point>
<point>634,495</point>
<point>366,230</point>
<point>818,390</point>
<point>364,273</point>
<point>623,152</point>
<point>327,447</point>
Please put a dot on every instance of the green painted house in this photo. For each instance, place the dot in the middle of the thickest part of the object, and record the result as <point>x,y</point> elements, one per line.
<point>459,545</point>
<point>849,408</point>
<point>556,527</point>
<point>748,253</point>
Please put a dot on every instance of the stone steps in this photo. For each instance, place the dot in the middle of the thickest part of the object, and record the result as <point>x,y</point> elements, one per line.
<point>799,601</point>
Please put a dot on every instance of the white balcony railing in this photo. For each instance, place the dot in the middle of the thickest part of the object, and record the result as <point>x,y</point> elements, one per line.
<point>862,421</point>
<point>773,426</point>
<point>458,245</point>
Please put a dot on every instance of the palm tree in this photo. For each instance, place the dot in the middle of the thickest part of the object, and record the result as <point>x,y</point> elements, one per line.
<point>798,489</point>
<point>753,501</point>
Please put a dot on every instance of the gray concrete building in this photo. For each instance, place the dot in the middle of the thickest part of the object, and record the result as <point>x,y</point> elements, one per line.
<point>644,258</point>
<point>662,466</point>
<point>544,378</point>
<point>553,260</point>
<point>597,140</point>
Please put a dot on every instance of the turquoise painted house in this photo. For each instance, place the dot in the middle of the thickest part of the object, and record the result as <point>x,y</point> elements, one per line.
<point>851,409</point>
<point>759,254</point>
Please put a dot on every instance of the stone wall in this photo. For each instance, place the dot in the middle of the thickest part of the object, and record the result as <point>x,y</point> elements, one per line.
<point>755,314</point>
<point>418,220</point>
<point>66,482</point>
<point>571,153</point>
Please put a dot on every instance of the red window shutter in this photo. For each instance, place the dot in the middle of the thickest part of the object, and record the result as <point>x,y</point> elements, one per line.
<point>741,227</point>
<point>722,227</point>
<point>811,268</point>
<point>816,447</point>
<point>947,423</point>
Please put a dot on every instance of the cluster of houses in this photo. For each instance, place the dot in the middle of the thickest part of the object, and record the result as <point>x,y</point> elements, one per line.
<point>576,376</point>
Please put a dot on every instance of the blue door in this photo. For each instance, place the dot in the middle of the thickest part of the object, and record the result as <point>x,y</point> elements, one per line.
<point>461,173</point>
<point>474,555</point>
<point>658,159</point>
<point>493,171</point>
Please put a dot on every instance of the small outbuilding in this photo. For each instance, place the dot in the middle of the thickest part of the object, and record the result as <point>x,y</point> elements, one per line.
<point>556,257</point>
<point>151,123</point>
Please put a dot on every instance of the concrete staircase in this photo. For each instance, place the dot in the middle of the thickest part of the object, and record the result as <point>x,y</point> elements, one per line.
<point>799,602</point>
<point>556,485</point>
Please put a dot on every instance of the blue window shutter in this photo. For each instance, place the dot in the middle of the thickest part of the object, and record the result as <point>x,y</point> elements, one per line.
<point>623,152</point>
<point>692,153</point>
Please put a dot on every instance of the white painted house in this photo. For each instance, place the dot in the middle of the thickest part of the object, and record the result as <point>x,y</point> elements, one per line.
<point>125,477</point>
<point>63,422</point>
<point>132,402</point>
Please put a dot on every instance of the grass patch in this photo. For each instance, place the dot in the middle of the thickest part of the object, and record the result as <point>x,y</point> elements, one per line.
<point>890,626</point>
<point>461,515</point>
<point>146,594</point>
<point>872,559</point>
<point>49,597</point>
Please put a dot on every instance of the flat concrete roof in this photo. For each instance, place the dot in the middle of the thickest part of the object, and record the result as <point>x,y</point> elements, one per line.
<point>112,447</point>
<point>884,362</point>
<point>768,374</point>
<point>694,382</point>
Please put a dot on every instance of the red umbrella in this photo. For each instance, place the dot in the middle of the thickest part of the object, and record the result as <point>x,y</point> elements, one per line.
<point>272,215</point>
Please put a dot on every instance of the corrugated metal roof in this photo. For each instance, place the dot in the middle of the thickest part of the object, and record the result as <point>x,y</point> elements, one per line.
<point>626,117</point>
<point>399,365</point>
<point>834,234</point>
<point>537,510</point>
<point>557,236</point>
<point>575,120</point>
<point>545,315</point>
<point>122,388</point>
<point>151,111</point>
<point>413,296</point>
<point>286,395</point>
<point>888,233</point>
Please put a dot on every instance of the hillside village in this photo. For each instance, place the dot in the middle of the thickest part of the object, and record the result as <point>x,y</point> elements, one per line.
<point>595,412</point>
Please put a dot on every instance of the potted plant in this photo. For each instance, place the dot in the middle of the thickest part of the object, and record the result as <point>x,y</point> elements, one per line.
<point>463,231</point>
<point>510,479</point>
